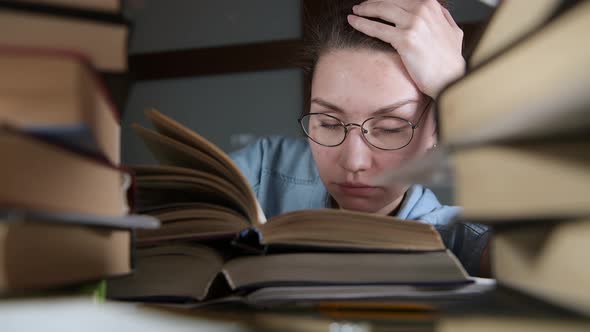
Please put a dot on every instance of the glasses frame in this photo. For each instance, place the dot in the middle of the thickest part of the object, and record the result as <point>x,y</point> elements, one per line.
<point>346,127</point>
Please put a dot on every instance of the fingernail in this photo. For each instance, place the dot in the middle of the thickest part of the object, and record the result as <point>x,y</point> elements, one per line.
<point>354,8</point>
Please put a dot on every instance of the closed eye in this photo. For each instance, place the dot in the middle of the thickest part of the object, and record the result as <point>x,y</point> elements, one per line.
<point>330,126</point>
<point>389,130</point>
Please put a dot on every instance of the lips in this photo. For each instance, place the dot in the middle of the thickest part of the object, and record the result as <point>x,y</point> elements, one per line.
<point>356,189</point>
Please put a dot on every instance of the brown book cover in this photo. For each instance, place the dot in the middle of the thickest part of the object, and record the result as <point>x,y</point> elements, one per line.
<point>192,273</point>
<point>511,21</point>
<point>546,260</point>
<point>37,173</point>
<point>535,88</point>
<point>99,35</point>
<point>103,6</point>
<point>58,95</point>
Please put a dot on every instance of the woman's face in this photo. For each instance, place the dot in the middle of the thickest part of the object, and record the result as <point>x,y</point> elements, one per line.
<point>352,84</point>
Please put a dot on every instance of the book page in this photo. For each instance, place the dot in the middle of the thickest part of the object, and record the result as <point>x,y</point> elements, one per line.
<point>182,134</point>
<point>171,152</point>
<point>330,228</point>
<point>172,174</point>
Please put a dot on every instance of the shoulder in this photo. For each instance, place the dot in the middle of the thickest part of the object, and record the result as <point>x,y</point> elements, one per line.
<point>273,147</point>
<point>466,240</point>
<point>420,203</point>
<point>283,174</point>
<point>286,157</point>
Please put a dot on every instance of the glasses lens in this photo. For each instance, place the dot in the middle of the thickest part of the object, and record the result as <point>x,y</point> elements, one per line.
<point>388,133</point>
<point>323,129</point>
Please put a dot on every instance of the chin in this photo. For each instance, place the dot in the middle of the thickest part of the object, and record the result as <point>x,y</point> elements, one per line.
<point>359,204</point>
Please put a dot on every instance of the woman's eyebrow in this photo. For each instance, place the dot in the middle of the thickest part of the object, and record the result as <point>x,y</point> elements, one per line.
<point>327,105</point>
<point>394,106</point>
<point>380,111</point>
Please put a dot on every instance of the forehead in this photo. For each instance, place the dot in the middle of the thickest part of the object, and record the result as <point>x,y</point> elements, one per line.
<point>362,79</point>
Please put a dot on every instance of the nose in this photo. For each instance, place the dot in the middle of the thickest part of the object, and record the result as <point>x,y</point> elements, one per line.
<point>355,152</point>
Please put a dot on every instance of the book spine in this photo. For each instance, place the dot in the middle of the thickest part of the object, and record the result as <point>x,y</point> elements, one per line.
<point>65,12</point>
<point>97,158</point>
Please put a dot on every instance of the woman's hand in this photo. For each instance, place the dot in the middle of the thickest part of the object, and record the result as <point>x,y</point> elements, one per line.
<point>425,35</point>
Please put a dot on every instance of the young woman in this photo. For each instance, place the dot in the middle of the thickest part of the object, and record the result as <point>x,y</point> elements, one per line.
<point>375,66</point>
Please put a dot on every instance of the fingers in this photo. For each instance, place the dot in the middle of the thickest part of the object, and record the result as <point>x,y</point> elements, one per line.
<point>384,32</point>
<point>425,9</point>
<point>407,5</point>
<point>405,14</point>
<point>449,18</point>
<point>387,11</point>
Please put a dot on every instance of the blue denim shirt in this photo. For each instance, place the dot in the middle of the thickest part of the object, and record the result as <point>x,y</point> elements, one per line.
<point>284,177</point>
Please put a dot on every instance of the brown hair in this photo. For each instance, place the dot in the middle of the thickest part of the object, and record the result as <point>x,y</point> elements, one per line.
<point>330,30</point>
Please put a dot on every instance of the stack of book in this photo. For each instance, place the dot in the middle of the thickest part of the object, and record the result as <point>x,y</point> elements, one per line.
<point>516,128</point>
<point>215,243</point>
<point>63,204</point>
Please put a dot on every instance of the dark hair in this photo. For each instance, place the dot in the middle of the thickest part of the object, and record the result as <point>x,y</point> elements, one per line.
<point>329,30</point>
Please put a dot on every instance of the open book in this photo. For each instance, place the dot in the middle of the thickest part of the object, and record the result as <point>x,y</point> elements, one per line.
<point>204,204</point>
<point>199,193</point>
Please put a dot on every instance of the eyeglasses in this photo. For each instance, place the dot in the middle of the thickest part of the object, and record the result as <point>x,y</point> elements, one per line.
<point>382,132</point>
